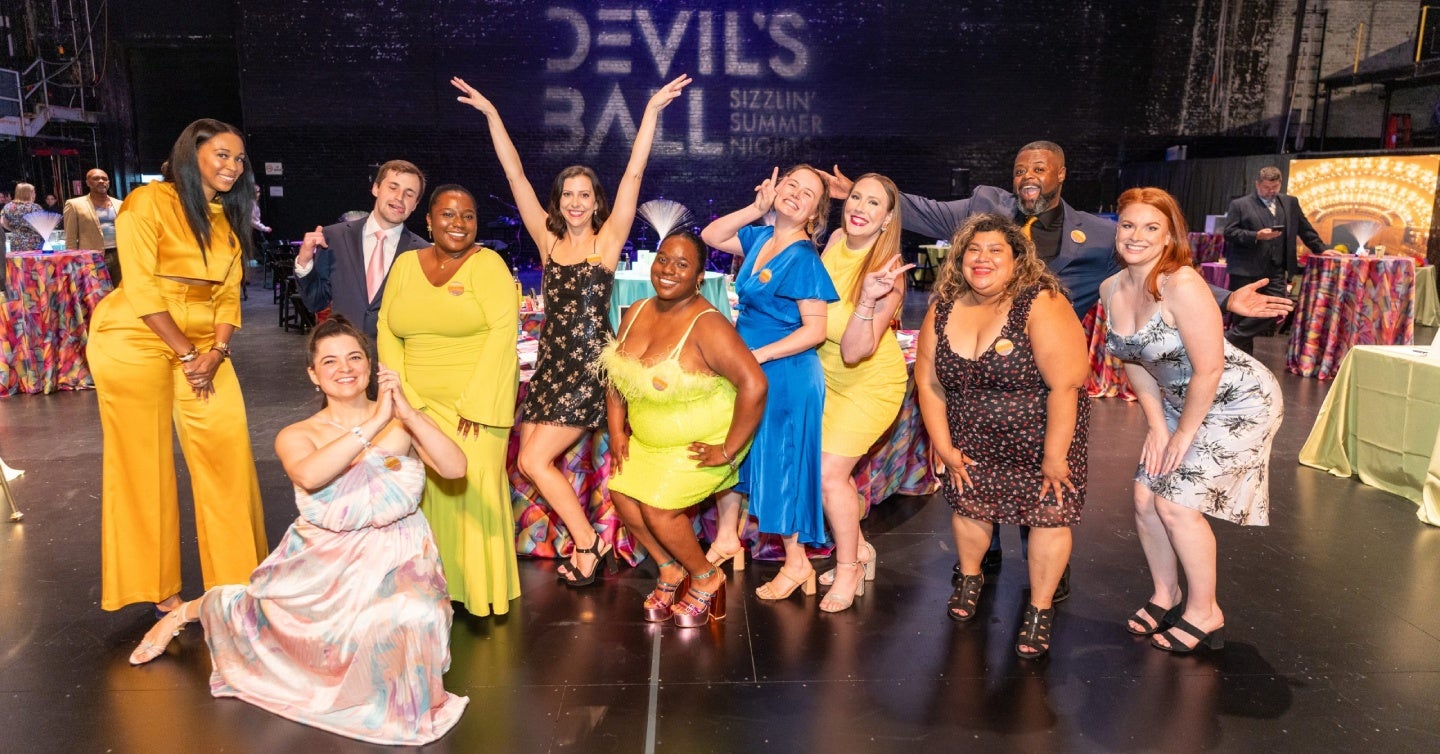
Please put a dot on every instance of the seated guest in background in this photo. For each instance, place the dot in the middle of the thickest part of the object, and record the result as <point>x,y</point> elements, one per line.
<point>90,221</point>
<point>865,374</point>
<point>685,396</point>
<point>22,236</point>
<point>346,625</point>
<point>349,277</point>
<point>52,203</point>
<point>1077,246</point>
<point>448,327</point>
<point>1260,232</point>
<point>579,236</point>
<point>1000,375</point>
<point>784,291</point>
<point>1212,412</point>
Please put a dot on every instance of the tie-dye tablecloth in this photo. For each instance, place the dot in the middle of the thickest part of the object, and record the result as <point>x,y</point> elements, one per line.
<point>1107,373</point>
<point>1207,247</point>
<point>1347,301</point>
<point>45,318</point>
<point>897,465</point>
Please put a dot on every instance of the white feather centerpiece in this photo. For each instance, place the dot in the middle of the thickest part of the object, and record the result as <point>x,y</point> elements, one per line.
<point>44,223</point>
<point>664,215</point>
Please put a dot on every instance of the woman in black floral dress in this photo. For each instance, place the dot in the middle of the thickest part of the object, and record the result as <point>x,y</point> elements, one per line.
<point>580,238</point>
<point>1000,376</point>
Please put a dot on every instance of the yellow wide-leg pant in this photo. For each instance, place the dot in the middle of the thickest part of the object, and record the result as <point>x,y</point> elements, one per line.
<point>143,397</point>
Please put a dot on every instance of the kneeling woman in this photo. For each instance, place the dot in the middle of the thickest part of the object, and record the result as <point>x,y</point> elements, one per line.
<point>346,625</point>
<point>685,397</point>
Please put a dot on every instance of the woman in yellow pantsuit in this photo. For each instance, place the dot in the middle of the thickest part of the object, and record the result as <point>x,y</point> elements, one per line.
<point>159,351</point>
<point>448,322</point>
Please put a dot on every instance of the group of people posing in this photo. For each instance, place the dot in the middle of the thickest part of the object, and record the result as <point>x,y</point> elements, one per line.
<point>400,476</point>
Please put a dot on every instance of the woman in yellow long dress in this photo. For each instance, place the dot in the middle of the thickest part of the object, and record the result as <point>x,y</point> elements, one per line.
<point>159,350</point>
<point>865,373</point>
<point>447,327</point>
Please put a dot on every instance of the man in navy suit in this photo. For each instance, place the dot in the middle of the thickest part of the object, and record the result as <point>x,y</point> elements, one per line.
<point>1078,246</point>
<point>350,277</point>
<point>1260,232</point>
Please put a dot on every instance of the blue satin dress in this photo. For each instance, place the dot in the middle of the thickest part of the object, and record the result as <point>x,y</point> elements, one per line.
<point>782,473</point>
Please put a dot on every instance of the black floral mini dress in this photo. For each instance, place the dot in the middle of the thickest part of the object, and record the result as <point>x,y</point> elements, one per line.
<point>566,389</point>
<point>995,405</point>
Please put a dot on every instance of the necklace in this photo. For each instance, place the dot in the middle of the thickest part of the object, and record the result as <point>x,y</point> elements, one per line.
<point>448,257</point>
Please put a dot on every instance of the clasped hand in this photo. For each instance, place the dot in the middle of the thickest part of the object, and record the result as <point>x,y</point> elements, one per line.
<point>200,373</point>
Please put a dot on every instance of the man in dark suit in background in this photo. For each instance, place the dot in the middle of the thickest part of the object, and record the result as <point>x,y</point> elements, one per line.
<point>1077,246</point>
<point>1260,232</point>
<point>351,276</point>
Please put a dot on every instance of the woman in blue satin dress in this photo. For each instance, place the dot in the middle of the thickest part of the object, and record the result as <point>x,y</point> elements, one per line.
<point>784,291</point>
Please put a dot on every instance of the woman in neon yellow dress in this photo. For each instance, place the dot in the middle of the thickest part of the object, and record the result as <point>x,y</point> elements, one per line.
<point>447,327</point>
<point>864,369</point>
<point>685,396</point>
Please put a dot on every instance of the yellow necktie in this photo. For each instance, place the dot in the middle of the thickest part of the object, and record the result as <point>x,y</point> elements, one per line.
<point>1028,222</point>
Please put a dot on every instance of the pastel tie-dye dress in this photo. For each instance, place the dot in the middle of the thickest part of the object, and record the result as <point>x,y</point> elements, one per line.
<point>346,625</point>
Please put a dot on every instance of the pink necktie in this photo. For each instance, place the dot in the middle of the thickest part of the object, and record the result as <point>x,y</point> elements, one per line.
<point>375,273</point>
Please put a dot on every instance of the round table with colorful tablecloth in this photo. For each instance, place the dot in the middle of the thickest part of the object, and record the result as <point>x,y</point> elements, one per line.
<point>45,319</point>
<point>1348,300</point>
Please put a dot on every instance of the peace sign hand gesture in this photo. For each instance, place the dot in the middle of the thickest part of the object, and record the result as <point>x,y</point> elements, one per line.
<point>880,283</point>
<point>765,192</point>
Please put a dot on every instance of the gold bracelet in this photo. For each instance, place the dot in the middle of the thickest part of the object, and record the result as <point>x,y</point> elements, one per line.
<point>728,460</point>
<point>223,348</point>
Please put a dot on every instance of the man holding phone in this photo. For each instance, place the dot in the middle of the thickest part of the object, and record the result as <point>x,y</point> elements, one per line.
<point>1260,233</point>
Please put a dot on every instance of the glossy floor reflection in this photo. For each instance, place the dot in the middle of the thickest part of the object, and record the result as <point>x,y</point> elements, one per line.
<point>1333,635</point>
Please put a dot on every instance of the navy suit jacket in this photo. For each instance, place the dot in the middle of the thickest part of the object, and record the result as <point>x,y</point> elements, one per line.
<point>338,278</point>
<point>1087,242</point>
<point>1248,215</point>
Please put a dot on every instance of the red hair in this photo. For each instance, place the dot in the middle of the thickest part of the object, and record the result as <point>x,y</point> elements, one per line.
<point>1176,254</point>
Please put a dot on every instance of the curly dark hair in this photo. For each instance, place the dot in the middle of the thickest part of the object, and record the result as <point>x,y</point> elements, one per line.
<point>1029,270</point>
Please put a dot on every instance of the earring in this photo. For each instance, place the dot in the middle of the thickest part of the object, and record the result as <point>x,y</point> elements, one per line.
<point>317,388</point>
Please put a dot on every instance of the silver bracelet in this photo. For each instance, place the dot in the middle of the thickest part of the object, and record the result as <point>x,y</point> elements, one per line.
<point>731,462</point>
<point>862,318</point>
<point>355,430</point>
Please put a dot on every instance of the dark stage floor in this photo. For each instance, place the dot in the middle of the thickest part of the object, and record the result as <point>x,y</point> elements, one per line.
<point>1334,631</point>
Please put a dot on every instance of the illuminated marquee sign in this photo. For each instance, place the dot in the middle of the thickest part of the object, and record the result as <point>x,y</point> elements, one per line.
<point>749,63</point>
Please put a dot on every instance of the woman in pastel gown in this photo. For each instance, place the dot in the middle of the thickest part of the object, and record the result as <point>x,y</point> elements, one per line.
<point>579,236</point>
<point>345,626</point>
<point>1212,412</point>
<point>685,397</point>
<point>448,323</point>
<point>865,375</point>
<point>783,290</point>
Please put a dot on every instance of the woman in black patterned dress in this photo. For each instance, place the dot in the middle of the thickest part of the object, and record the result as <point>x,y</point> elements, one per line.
<point>1000,376</point>
<point>580,238</point>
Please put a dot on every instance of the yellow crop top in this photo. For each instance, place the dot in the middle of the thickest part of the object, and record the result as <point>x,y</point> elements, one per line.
<point>153,239</point>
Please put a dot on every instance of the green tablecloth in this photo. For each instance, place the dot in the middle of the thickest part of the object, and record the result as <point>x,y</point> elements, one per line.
<point>633,285</point>
<point>1427,300</point>
<point>1381,420</point>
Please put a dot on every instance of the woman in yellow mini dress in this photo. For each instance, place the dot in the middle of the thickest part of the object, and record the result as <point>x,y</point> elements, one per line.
<point>864,370</point>
<point>448,322</point>
<point>159,350</point>
<point>685,396</point>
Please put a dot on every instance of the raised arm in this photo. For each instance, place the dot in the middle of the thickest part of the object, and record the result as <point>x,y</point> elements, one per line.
<point>622,212</point>
<point>880,298</point>
<point>721,233</point>
<point>532,212</point>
